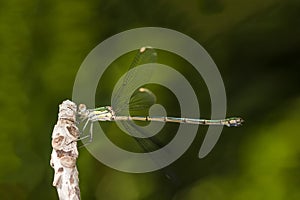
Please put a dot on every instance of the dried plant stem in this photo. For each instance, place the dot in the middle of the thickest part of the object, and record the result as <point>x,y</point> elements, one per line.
<point>65,153</point>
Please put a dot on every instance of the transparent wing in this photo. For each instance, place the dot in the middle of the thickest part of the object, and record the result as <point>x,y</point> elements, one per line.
<point>150,144</point>
<point>128,98</point>
<point>141,99</point>
<point>121,98</point>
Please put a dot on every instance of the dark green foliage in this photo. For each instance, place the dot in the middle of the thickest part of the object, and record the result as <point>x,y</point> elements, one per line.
<point>255,45</point>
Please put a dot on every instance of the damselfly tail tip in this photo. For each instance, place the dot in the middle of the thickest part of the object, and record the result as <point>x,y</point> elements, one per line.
<point>234,122</point>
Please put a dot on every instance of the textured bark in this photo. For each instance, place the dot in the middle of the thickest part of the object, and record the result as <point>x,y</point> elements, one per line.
<point>65,153</point>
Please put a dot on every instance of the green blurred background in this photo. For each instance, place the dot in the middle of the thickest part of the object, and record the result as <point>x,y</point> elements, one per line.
<point>255,45</point>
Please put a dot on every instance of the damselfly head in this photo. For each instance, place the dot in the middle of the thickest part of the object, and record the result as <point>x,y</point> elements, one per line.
<point>82,111</point>
<point>81,108</point>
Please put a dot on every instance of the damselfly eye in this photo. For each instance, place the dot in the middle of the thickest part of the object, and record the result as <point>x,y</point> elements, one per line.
<point>81,108</point>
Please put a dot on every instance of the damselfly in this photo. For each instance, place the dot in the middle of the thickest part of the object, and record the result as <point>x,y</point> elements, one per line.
<point>115,112</point>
